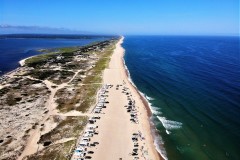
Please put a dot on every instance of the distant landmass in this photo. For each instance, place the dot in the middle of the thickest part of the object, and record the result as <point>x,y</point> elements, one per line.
<point>26,45</point>
<point>55,36</point>
<point>11,29</point>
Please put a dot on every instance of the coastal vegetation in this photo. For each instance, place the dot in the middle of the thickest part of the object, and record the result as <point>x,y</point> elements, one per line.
<point>66,128</point>
<point>22,107</point>
<point>55,76</point>
<point>60,151</point>
<point>58,81</point>
<point>83,96</point>
<point>60,141</point>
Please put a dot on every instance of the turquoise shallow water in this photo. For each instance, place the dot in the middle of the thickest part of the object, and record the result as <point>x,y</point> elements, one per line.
<point>193,87</point>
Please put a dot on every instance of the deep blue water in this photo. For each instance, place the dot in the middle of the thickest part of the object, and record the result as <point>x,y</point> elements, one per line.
<point>12,50</point>
<point>193,86</point>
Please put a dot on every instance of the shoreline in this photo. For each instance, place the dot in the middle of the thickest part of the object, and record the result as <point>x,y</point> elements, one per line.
<point>118,125</point>
<point>22,61</point>
<point>21,64</point>
<point>154,131</point>
<point>145,103</point>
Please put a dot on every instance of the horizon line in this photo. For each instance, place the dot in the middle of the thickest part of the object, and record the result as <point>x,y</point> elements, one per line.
<point>107,34</point>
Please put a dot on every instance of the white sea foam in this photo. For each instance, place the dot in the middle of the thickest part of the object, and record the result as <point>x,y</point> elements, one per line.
<point>155,110</point>
<point>149,98</point>
<point>159,144</point>
<point>158,141</point>
<point>169,125</point>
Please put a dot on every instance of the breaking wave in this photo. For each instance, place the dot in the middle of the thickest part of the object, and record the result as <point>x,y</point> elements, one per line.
<point>149,98</point>
<point>169,124</point>
<point>159,144</point>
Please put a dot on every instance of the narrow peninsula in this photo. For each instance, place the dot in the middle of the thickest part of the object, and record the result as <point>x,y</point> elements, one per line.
<point>74,103</point>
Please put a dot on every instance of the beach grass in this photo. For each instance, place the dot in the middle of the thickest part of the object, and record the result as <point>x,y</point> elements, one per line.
<point>66,128</point>
<point>101,64</point>
<point>48,54</point>
<point>40,59</point>
<point>85,95</point>
<point>70,127</point>
<point>61,151</point>
<point>55,76</point>
<point>68,49</point>
<point>90,98</point>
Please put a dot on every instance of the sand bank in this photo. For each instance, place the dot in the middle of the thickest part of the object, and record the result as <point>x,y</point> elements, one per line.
<point>22,62</point>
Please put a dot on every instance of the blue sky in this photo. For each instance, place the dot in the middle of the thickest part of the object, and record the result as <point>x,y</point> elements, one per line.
<point>167,17</point>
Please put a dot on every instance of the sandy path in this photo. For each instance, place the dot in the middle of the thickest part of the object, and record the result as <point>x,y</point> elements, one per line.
<point>75,113</point>
<point>32,146</point>
<point>115,128</point>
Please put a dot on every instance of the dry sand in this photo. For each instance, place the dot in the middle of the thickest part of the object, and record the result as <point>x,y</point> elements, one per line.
<point>114,127</point>
<point>22,62</point>
<point>32,145</point>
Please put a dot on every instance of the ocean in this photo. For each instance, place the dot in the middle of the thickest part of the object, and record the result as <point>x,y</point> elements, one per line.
<point>192,84</point>
<point>13,48</point>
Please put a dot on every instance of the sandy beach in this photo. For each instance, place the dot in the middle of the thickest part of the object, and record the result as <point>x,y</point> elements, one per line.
<point>115,129</point>
<point>22,62</point>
